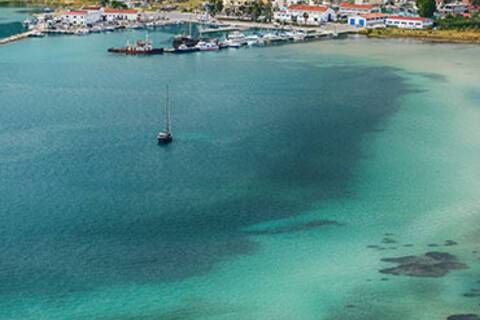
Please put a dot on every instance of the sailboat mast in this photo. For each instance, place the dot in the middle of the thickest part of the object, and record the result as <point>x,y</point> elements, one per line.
<point>167,112</point>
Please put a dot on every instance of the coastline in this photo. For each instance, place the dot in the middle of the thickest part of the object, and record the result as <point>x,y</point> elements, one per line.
<point>436,36</point>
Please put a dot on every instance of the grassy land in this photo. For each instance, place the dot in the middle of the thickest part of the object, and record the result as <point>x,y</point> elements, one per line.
<point>457,36</point>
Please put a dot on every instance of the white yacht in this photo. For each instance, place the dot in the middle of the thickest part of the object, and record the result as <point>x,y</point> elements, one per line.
<point>271,37</point>
<point>237,37</point>
<point>207,46</point>
<point>254,40</point>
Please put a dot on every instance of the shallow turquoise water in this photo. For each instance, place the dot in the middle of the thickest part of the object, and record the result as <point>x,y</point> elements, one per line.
<point>98,222</point>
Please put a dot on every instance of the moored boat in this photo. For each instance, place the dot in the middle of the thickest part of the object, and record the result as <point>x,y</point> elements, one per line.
<point>37,34</point>
<point>236,39</point>
<point>207,46</point>
<point>185,49</point>
<point>139,48</point>
<point>165,137</point>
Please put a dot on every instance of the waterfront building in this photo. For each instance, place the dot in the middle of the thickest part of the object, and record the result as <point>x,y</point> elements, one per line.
<point>75,18</point>
<point>232,4</point>
<point>84,17</point>
<point>349,9</point>
<point>305,14</point>
<point>456,8</point>
<point>368,20</point>
<point>282,5</point>
<point>120,14</point>
<point>374,2</point>
<point>408,22</point>
<point>94,14</point>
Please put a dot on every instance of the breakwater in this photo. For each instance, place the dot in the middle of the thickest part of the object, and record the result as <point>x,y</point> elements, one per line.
<point>15,37</point>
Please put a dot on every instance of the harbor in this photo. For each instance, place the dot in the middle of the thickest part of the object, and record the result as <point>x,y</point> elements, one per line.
<point>80,23</point>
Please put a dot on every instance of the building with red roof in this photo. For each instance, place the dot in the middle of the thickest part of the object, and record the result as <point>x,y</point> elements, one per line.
<point>306,14</point>
<point>76,18</point>
<point>120,14</point>
<point>368,20</point>
<point>347,9</point>
<point>405,22</point>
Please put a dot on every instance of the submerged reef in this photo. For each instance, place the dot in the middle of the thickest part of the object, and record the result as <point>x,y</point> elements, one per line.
<point>431,264</point>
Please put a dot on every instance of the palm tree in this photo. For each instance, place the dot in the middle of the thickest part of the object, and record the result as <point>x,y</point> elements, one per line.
<point>305,17</point>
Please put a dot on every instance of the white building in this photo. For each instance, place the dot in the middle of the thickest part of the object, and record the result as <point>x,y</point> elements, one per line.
<point>284,4</point>
<point>350,9</point>
<point>75,18</point>
<point>94,14</point>
<point>368,20</point>
<point>408,22</point>
<point>231,4</point>
<point>82,17</point>
<point>305,14</point>
<point>453,9</point>
<point>120,14</point>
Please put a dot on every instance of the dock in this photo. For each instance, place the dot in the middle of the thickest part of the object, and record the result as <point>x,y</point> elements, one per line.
<point>224,29</point>
<point>15,37</point>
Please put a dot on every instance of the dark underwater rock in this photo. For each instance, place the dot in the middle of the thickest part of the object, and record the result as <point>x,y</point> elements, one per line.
<point>388,240</point>
<point>294,227</point>
<point>449,243</point>
<point>472,294</point>
<point>470,316</point>
<point>431,264</point>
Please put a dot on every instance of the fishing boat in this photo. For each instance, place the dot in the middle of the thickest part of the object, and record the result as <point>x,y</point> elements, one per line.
<point>165,137</point>
<point>185,39</point>
<point>141,47</point>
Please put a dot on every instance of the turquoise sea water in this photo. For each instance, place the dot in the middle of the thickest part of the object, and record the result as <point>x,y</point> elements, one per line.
<point>287,163</point>
<point>11,18</point>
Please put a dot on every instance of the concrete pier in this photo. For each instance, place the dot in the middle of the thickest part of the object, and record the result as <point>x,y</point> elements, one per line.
<point>15,37</point>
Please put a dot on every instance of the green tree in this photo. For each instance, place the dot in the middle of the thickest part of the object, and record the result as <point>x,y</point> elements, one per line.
<point>218,6</point>
<point>256,10</point>
<point>305,17</point>
<point>268,12</point>
<point>118,5</point>
<point>215,6</point>
<point>426,8</point>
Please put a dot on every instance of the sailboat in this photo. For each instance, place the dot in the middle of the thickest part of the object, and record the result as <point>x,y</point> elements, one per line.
<point>165,136</point>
